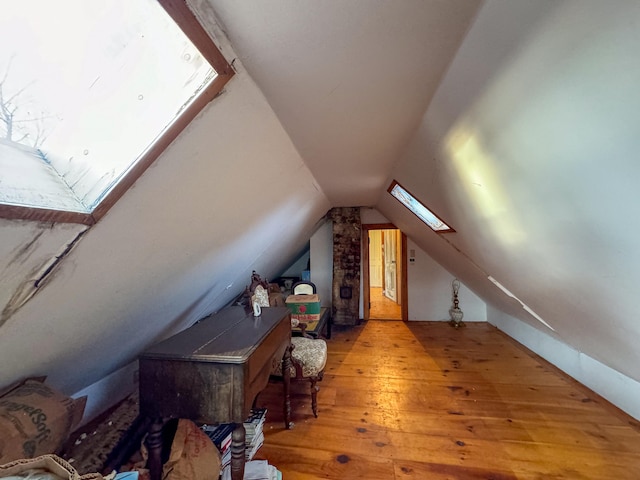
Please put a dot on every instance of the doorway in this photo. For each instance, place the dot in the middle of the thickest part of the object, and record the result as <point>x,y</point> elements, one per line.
<point>384,273</point>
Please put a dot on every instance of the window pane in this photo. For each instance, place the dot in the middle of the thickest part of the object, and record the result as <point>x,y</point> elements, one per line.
<point>92,84</point>
<point>418,209</point>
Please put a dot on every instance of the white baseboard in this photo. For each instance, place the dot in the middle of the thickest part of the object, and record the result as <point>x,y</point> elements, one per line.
<point>108,391</point>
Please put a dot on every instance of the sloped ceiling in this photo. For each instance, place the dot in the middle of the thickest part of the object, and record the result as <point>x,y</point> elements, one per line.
<point>529,150</point>
<point>516,121</point>
<point>180,244</point>
<point>525,142</point>
<point>349,80</point>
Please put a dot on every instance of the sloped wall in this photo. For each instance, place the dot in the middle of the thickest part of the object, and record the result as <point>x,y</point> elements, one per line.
<point>230,195</point>
<point>527,150</point>
<point>321,260</point>
<point>617,388</point>
<point>431,291</point>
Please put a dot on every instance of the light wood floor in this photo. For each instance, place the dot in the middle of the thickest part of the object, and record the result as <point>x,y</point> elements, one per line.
<point>422,400</point>
<point>381,307</point>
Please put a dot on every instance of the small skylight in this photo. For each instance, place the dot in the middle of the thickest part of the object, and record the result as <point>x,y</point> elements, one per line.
<point>87,96</point>
<point>418,208</point>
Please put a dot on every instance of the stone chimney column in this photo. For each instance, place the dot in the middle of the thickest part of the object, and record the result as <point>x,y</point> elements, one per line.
<point>347,232</point>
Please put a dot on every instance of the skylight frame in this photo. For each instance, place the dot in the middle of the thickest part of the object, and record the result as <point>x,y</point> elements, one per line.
<point>419,209</point>
<point>184,18</point>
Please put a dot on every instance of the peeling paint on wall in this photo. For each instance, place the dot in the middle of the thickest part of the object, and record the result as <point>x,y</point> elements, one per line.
<point>22,295</point>
<point>22,252</point>
<point>39,273</point>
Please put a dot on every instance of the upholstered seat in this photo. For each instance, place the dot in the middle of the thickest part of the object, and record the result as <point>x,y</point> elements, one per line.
<point>308,355</point>
<point>308,359</point>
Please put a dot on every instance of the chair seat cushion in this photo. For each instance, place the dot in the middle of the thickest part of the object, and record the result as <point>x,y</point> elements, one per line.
<point>309,353</point>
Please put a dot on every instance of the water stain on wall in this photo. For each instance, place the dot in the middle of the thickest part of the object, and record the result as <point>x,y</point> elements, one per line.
<point>37,277</point>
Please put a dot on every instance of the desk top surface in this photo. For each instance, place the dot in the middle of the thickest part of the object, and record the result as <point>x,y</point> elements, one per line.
<point>229,336</point>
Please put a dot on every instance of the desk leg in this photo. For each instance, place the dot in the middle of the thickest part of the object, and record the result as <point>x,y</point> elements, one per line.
<point>238,452</point>
<point>154,446</point>
<point>286,375</point>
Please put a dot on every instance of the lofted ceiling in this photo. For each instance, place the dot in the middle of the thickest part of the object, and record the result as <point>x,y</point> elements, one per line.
<point>514,120</point>
<point>349,80</point>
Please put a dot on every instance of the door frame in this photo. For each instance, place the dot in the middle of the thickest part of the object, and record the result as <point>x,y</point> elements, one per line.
<point>366,298</point>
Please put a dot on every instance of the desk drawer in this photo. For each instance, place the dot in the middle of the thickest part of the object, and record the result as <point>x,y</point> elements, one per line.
<point>260,364</point>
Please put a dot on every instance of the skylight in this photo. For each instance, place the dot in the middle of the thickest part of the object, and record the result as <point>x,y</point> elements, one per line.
<point>88,97</point>
<point>418,208</point>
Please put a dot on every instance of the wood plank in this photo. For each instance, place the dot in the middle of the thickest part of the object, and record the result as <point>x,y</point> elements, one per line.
<point>423,400</point>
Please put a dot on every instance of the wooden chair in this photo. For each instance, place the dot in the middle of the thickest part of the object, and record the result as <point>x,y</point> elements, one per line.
<point>259,288</point>
<point>303,288</point>
<point>308,359</point>
<point>308,355</point>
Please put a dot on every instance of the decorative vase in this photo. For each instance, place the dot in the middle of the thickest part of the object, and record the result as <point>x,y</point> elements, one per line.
<point>455,313</point>
<point>456,316</point>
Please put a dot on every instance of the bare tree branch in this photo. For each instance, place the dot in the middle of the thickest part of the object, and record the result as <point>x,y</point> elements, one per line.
<point>28,130</point>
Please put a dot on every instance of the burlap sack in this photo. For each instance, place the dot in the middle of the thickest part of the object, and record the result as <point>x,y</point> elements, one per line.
<point>35,420</point>
<point>193,455</point>
<point>44,466</point>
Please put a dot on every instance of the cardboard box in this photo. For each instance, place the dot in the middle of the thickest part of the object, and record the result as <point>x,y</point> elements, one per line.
<point>306,317</point>
<point>305,308</point>
<point>35,419</point>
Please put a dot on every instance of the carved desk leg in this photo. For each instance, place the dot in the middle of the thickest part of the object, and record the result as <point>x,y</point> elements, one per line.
<point>286,375</point>
<point>154,446</point>
<point>237,452</point>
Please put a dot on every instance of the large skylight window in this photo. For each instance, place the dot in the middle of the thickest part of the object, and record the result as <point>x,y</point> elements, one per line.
<point>418,208</point>
<point>90,99</point>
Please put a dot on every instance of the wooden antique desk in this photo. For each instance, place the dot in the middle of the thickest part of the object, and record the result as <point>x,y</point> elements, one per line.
<point>212,372</point>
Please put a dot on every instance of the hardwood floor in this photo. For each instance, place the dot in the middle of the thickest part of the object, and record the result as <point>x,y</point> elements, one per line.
<point>422,400</point>
<point>381,307</point>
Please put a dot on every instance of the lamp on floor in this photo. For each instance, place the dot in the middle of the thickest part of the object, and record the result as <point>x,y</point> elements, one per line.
<point>455,312</point>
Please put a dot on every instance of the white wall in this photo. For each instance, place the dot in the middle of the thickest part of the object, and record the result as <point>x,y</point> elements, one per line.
<point>296,268</point>
<point>180,244</point>
<point>431,291</point>
<point>322,262</point>
<point>617,388</point>
<point>27,251</point>
<point>529,150</point>
<point>369,215</point>
<point>429,287</point>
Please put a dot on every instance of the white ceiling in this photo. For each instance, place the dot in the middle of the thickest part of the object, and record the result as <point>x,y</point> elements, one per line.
<point>349,80</point>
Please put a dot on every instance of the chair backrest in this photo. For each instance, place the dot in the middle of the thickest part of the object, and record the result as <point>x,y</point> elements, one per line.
<point>304,288</point>
<point>257,280</point>
<point>258,291</point>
